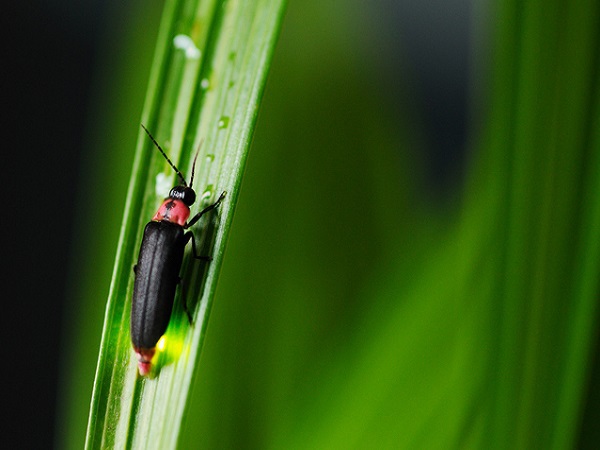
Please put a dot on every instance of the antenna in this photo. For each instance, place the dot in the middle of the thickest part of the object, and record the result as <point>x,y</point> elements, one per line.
<point>167,158</point>
<point>194,163</point>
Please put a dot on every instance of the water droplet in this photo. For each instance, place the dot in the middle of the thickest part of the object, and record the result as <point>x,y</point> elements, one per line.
<point>185,43</point>
<point>207,192</point>
<point>210,157</point>
<point>205,196</point>
<point>223,122</point>
<point>204,84</point>
<point>162,185</point>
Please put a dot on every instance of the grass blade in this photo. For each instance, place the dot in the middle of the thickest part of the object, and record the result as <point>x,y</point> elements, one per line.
<point>207,80</point>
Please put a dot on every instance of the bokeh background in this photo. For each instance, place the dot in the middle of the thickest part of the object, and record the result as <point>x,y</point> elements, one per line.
<point>411,263</point>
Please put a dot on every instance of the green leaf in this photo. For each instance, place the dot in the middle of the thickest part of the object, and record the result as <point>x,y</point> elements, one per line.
<point>353,312</point>
<point>205,86</point>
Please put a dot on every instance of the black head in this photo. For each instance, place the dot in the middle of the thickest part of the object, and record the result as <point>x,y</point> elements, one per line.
<point>184,193</point>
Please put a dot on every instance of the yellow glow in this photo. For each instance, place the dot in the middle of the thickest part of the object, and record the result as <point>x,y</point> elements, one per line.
<point>169,348</point>
<point>161,344</point>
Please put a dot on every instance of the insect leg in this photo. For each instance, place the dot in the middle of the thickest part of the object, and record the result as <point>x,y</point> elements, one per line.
<point>189,235</point>
<point>205,210</point>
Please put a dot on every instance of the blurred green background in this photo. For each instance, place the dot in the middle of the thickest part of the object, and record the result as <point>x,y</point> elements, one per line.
<point>414,257</point>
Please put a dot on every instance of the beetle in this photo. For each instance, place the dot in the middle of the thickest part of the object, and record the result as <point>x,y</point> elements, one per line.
<point>159,263</point>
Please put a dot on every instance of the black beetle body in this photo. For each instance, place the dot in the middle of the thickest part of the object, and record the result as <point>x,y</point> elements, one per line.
<point>159,264</point>
<point>157,275</point>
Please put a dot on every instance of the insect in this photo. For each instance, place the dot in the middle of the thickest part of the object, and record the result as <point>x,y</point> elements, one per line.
<point>159,263</point>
